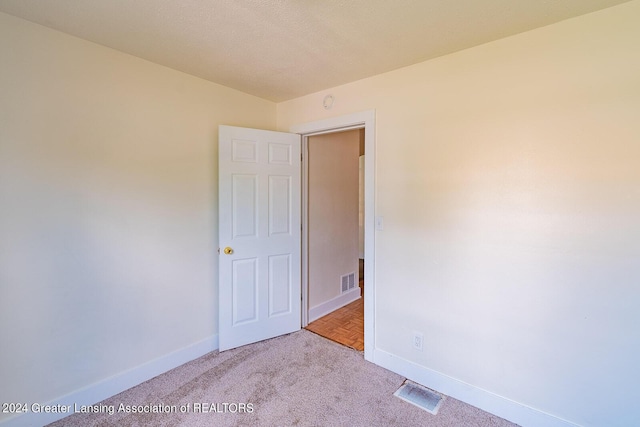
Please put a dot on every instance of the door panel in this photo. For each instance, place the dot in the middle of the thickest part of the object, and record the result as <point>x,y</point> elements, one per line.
<point>244,197</point>
<point>280,205</point>
<point>259,207</point>
<point>245,290</point>
<point>280,285</point>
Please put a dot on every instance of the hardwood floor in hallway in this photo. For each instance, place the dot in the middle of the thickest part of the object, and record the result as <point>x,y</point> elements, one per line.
<point>345,325</point>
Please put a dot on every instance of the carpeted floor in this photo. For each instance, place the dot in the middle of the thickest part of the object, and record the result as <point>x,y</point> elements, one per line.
<point>299,379</point>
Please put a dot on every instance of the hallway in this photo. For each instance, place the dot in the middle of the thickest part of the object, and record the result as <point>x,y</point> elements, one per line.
<point>346,324</point>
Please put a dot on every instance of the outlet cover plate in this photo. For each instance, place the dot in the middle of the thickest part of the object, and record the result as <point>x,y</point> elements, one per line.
<point>418,340</point>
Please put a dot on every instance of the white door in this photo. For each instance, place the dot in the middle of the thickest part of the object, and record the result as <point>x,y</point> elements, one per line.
<point>259,240</point>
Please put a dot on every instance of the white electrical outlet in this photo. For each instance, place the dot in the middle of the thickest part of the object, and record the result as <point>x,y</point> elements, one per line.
<point>417,341</point>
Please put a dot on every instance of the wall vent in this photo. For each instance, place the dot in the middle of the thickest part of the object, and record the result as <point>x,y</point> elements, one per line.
<point>348,282</point>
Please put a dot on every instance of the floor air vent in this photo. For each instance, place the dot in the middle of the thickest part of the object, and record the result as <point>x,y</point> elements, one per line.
<point>419,396</point>
<point>348,282</point>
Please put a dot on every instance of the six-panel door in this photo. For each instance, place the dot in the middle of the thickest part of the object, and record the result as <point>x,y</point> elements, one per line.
<point>259,218</point>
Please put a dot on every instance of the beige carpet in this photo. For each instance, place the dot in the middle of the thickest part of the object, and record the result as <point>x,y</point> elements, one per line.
<point>299,379</point>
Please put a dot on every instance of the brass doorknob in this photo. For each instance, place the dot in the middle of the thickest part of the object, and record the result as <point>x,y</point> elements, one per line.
<point>228,250</point>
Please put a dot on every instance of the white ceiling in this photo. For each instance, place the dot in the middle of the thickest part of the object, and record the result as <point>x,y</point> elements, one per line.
<point>282,49</point>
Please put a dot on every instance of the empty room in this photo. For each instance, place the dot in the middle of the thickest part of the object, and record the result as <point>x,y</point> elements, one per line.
<point>156,216</point>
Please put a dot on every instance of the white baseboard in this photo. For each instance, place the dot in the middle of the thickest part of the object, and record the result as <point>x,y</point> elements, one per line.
<point>483,399</point>
<point>333,304</point>
<point>106,388</point>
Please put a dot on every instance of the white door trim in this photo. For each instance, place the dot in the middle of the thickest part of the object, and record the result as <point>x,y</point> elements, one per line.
<point>362,120</point>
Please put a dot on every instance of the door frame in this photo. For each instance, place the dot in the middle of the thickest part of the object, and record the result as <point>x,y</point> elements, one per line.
<point>362,120</point>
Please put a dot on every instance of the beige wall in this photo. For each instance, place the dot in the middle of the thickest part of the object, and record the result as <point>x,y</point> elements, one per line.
<point>108,218</point>
<point>508,176</point>
<point>333,213</point>
<point>361,206</point>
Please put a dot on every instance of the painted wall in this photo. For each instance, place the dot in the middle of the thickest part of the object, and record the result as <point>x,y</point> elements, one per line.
<point>361,207</point>
<point>508,176</point>
<point>361,197</point>
<point>333,213</point>
<point>108,219</point>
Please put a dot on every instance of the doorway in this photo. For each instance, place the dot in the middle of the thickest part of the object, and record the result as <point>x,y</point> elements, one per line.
<point>366,121</point>
<point>335,236</point>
